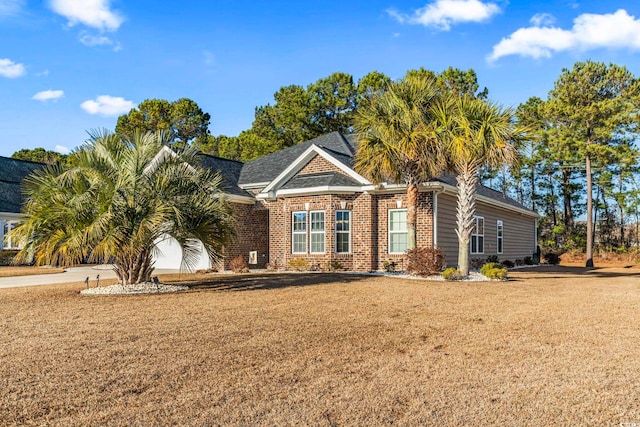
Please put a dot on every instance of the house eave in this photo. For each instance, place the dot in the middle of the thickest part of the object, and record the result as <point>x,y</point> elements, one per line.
<point>254,185</point>
<point>12,215</point>
<point>234,198</point>
<point>319,190</point>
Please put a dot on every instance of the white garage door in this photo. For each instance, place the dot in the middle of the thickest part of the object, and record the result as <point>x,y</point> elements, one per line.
<point>170,255</point>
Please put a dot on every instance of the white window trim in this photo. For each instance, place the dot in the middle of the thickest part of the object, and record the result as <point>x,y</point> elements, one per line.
<point>336,232</point>
<point>6,239</point>
<point>323,232</point>
<point>499,238</point>
<point>476,235</point>
<point>389,232</point>
<point>293,232</point>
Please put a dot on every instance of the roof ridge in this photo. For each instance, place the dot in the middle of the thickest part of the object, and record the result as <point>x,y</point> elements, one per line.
<point>346,143</point>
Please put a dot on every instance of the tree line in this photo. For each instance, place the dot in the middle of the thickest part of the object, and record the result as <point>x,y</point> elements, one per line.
<point>577,158</point>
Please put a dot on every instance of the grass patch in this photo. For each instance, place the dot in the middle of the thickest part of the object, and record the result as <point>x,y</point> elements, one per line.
<point>550,348</point>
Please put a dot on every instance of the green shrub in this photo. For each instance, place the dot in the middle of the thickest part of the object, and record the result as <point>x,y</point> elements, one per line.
<point>389,265</point>
<point>425,261</point>
<point>6,257</point>
<point>452,274</point>
<point>507,263</point>
<point>334,265</point>
<point>488,266</point>
<point>552,258</point>
<point>299,264</point>
<point>528,260</point>
<point>273,266</point>
<point>239,265</point>
<point>476,263</point>
<point>519,262</point>
<point>496,273</point>
<point>493,258</point>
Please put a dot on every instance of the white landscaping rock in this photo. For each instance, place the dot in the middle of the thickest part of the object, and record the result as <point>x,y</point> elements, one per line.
<point>141,288</point>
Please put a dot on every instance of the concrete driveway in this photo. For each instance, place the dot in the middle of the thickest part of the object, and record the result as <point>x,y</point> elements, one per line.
<point>75,274</point>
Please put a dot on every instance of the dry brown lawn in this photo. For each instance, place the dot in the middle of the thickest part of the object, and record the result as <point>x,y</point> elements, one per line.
<point>551,347</point>
<point>27,271</point>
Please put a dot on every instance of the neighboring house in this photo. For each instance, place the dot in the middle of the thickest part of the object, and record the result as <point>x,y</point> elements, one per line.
<point>312,204</point>
<point>12,173</point>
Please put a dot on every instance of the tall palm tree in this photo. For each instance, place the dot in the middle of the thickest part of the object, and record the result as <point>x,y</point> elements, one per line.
<point>475,133</point>
<point>117,201</point>
<point>397,140</point>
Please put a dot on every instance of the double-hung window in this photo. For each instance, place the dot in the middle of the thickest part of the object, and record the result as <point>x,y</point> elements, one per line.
<point>477,236</point>
<point>299,232</point>
<point>316,232</point>
<point>500,236</point>
<point>398,231</point>
<point>343,232</point>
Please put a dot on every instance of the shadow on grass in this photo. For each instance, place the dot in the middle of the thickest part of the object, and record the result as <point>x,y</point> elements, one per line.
<point>544,272</point>
<point>260,281</point>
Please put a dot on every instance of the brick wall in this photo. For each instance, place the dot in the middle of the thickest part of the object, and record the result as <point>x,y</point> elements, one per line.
<point>369,228</point>
<point>252,234</point>
<point>318,164</point>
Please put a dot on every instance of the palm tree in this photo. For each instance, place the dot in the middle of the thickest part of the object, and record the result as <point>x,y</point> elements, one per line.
<point>475,133</point>
<point>397,141</point>
<point>118,199</point>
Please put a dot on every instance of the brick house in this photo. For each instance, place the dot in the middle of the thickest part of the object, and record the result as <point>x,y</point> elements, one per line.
<point>308,202</point>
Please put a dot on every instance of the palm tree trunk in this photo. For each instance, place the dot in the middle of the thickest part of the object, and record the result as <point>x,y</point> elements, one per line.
<point>134,269</point>
<point>466,183</point>
<point>412,217</point>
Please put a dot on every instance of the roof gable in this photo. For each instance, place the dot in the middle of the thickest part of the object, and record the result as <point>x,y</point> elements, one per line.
<point>265,169</point>
<point>302,160</point>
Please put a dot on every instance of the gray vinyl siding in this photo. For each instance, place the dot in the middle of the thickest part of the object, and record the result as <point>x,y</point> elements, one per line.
<point>519,231</point>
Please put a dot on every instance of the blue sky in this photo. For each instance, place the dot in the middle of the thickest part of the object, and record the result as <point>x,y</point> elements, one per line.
<point>68,66</point>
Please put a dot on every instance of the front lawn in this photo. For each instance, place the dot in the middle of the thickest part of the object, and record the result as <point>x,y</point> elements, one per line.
<point>554,347</point>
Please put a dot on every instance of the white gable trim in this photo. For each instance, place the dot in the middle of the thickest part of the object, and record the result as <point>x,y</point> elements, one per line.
<point>164,153</point>
<point>303,159</point>
<point>323,189</point>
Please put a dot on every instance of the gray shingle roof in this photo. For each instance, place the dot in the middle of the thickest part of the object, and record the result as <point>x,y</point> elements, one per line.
<point>341,147</point>
<point>320,180</point>
<point>229,171</point>
<point>483,191</point>
<point>267,168</point>
<point>12,173</point>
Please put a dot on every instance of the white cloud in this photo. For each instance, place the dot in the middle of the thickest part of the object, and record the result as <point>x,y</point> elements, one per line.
<point>92,13</point>
<point>62,149</point>
<point>617,30</point>
<point>91,40</point>
<point>209,58</point>
<point>107,105</point>
<point>441,14</point>
<point>10,69</point>
<point>10,7</point>
<point>542,19</point>
<point>47,95</point>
